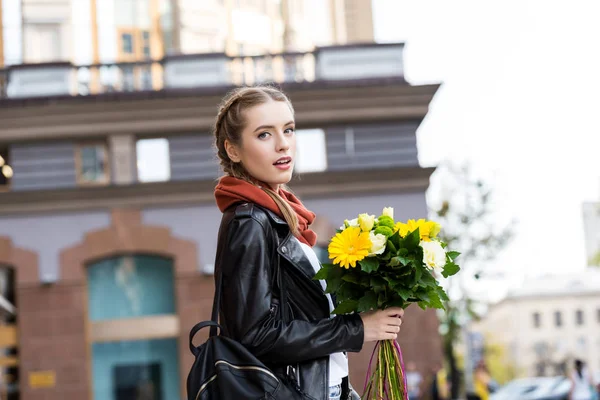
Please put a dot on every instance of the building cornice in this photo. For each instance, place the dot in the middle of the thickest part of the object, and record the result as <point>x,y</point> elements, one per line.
<point>316,185</point>
<point>167,112</point>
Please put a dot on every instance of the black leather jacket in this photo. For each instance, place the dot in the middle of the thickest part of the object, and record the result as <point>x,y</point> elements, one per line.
<point>249,302</point>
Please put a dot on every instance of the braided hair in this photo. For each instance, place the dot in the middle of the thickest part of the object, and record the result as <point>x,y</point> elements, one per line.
<point>229,125</point>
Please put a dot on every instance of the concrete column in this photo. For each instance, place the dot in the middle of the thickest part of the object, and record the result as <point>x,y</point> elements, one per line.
<point>123,159</point>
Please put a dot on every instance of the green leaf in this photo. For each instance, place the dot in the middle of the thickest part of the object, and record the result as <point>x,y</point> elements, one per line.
<point>333,284</point>
<point>381,300</point>
<point>378,284</point>
<point>328,271</point>
<point>418,272</point>
<point>434,300</point>
<point>369,264</point>
<point>351,278</point>
<point>396,303</point>
<point>368,302</point>
<point>427,280</point>
<point>365,280</point>
<point>391,247</point>
<point>348,291</point>
<point>424,296</point>
<point>412,240</point>
<point>323,273</point>
<point>403,292</point>
<point>423,305</point>
<point>450,269</point>
<point>399,260</point>
<point>442,294</point>
<point>395,239</point>
<point>453,254</point>
<point>345,307</point>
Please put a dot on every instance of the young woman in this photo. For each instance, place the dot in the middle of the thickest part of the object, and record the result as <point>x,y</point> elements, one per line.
<point>265,230</point>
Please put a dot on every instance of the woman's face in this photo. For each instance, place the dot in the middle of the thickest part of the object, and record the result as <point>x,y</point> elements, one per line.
<point>268,143</point>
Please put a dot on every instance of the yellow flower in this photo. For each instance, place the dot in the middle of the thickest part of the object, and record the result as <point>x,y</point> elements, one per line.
<point>427,229</point>
<point>349,246</point>
<point>366,222</point>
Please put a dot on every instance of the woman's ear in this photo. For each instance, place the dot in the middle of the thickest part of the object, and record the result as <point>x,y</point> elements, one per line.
<point>232,151</point>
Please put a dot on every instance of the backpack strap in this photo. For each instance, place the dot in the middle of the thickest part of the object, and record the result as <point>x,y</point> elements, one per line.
<point>195,330</point>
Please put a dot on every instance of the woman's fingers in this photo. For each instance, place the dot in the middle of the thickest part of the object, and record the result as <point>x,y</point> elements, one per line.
<point>395,312</point>
<point>392,329</point>
<point>393,321</point>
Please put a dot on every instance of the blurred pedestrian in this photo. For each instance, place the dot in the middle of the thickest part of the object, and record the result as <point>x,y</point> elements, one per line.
<point>582,384</point>
<point>413,381</point>
<point>481,381</point>
<point>440,389</point>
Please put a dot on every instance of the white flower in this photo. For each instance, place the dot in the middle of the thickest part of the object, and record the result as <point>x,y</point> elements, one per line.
<point>366,222</point>
<point>352,222</point>
<point>434,255</point>
<point>378,243</point>
<point>388,212</point>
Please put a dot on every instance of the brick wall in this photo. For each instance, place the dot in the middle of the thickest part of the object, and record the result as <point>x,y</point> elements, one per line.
<point>52,338</point>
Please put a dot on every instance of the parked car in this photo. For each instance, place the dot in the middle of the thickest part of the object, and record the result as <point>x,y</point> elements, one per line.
<point>542,388</point>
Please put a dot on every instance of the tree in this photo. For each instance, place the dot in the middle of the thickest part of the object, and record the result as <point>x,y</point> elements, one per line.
<point>502,367</point>
<point>463,206</point>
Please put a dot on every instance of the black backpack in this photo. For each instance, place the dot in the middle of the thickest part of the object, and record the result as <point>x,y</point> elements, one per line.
<point>225,370</point>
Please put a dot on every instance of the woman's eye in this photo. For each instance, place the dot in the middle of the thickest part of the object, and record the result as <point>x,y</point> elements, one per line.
<point>263,135</point>
<point>290,130</point>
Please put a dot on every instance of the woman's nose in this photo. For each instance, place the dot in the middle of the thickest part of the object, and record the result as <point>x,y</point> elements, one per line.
<point>283,143</point>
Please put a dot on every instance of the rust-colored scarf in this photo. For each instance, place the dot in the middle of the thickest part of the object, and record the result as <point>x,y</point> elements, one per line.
<point>232,190</point>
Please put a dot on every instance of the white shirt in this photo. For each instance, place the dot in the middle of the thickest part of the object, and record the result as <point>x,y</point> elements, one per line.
<point>338,362</point>
<point>581,386</point>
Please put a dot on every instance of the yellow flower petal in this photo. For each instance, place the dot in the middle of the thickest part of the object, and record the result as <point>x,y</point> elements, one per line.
<point>349,246</point>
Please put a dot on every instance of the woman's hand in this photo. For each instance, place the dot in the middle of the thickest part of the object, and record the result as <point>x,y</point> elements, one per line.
<point>382,324</point>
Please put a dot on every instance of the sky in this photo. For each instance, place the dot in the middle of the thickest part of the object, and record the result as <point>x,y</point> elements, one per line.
<point>520,102</point>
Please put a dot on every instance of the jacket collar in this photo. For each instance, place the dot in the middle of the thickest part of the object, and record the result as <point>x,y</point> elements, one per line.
<point>274,217</point>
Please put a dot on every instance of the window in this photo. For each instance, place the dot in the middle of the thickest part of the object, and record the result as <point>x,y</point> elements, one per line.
<point>311,151</point>
<point>153,163</point>
<point>6,171</point>
<point>42,42</point>
<point>146,44</point>
<point>127,43</point>
<point>91,161</point>
<point>579,317</point>
<point>537,320</point>
<point>557,318</point>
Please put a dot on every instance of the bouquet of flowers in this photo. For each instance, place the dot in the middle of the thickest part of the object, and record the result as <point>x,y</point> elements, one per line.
<point>380,263</point>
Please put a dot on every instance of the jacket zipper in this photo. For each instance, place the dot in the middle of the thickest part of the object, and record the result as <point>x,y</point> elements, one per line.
<point>252,368</point>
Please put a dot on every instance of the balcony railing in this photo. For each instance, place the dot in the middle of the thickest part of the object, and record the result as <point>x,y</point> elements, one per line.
<point>202,70</point>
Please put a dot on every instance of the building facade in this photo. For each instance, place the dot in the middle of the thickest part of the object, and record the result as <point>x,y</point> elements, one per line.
<point>107,217</point>
<point>548,323</point>
<point>591,224</point>
<point>108,31</point>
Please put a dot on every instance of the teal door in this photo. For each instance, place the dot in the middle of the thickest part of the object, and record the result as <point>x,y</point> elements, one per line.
<point>124,288</point>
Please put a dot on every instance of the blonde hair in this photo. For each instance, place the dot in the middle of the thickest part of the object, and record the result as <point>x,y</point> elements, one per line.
<point>229,125</point>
